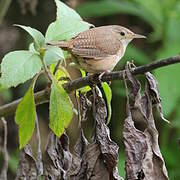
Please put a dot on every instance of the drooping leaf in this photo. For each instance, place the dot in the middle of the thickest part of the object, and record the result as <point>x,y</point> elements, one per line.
<point>108,148</point>
<point>61,109</point>
<point>18,67</point>
<point>143,156</point>
<point>65,29</point>
<point>52,55</point>
<point>27,165</point>
<point>37,35</point>
<point>108,94</point>
<point>152,84</point>
<point>25,116</point>
<point>63,11</point>
<point>57,157</point>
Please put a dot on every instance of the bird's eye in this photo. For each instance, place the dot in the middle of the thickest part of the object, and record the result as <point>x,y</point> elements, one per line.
<point>122,33</point>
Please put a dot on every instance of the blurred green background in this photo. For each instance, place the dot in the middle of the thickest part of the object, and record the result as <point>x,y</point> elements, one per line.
<point>159,20</point>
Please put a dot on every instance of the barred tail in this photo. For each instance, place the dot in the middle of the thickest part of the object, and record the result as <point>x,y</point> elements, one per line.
<point>61,44</point>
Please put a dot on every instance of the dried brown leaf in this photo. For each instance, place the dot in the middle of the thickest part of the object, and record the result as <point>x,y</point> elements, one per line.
<point>78,169</point>
<point>136,148</point>
<point>152,84</point>
<point>143,156</point>
<point>96,160</point>
<point>57,158</point>
<point>108,148</point>
<point>27,168</point>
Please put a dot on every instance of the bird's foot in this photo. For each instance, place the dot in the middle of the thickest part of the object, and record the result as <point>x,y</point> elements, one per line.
<point>97,78</point>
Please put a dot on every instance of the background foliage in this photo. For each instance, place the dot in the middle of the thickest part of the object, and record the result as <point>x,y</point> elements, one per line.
<point>158,20</point>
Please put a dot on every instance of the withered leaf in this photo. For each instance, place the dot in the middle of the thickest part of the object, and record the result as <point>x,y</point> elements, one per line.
<point>77,170</point>
<point>57,159</point>
<point>27,165</point>
<point>136,147</point>
<point>87,161</point>
<point>143,156</point>
<point>108,148</point>
<point>84,105</point>
<point>152,84</point>
<point>96,160</point>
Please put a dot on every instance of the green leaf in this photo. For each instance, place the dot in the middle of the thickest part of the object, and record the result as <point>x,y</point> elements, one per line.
<point>65,29</point>
<point>60,73</point>
<point>61,109</point>
<point>108,94</point>
<point>25,117</point>
<point>32,49</point>
<point>18,67</point>
<point>37,36</point>
<point>63,11</point>
<point>52,55</point>
<point>67,25</point>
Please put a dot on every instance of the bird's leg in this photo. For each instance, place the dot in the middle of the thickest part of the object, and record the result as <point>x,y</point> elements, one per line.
<point>102,74</point>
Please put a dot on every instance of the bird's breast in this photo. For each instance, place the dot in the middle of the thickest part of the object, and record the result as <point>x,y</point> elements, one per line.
<point>101,65</point>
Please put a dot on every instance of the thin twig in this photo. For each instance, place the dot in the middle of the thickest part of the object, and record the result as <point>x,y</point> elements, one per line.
<point>4,170</point>
<point>39,153</point>
<point>47,71</point>
<point>43,96</point>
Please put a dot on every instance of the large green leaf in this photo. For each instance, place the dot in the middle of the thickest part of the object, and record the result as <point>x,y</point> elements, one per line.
<point>63,11</point>
<point>108,94</point>
<point>37,36</point>
<point>19,66</point>
<point>61,109</point>
<point>65,29</point>
<point>25,116</point>
<point>67,25</point>
<point>52,55</point>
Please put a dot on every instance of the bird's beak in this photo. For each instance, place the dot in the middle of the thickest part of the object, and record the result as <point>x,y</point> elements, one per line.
<point>138,36</point>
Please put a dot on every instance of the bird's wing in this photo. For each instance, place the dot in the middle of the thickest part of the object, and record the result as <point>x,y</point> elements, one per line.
<point>95,43</point>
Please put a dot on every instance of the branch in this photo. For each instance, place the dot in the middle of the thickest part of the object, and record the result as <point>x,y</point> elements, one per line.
<point>43,96</point>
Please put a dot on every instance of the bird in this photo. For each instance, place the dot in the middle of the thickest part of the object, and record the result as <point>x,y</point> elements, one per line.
<point>99,49</point>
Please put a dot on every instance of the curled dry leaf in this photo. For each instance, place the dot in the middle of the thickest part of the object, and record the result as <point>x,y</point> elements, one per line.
<point>143,156</point>
<point>57,158</point>
<point>84,105</point>
<point>96,160</point>
<point>27,168</point>
<point>108,148</point>
<point>152,84</point>
<point>87,162</point>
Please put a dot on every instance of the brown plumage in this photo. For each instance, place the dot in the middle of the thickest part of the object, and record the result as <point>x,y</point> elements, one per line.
<point>99,49</point>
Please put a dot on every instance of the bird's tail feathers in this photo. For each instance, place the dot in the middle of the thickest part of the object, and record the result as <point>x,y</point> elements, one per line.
<point>61,44</point>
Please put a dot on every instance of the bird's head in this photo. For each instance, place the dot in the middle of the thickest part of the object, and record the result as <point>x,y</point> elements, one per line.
<point>125,35</point>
